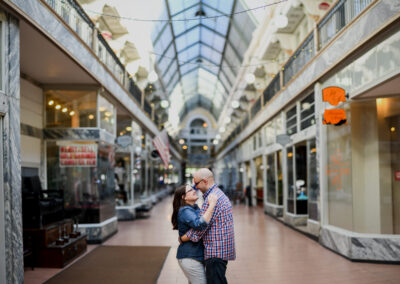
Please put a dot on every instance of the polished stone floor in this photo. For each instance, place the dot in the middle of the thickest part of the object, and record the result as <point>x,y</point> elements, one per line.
<point>267,252</point>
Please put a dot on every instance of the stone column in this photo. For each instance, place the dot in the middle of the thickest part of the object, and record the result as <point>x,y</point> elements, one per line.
<point>11,163</point>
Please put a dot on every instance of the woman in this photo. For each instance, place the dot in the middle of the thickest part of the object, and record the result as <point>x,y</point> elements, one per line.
<point>186,216</point>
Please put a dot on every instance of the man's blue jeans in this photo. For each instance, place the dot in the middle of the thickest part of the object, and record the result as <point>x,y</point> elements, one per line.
<point>215,270</point>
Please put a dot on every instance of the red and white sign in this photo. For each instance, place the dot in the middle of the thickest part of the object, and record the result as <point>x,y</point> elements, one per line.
<point>161,144</point>
<point>397,175</point>
<point>78,155</point>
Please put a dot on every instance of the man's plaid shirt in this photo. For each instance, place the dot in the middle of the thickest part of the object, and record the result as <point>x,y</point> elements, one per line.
<point>218,237</point>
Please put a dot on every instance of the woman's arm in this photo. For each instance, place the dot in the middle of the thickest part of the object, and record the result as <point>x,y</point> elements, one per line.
<point>196,221</point>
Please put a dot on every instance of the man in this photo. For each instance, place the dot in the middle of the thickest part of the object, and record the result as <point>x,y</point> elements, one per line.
<point>218,237</point>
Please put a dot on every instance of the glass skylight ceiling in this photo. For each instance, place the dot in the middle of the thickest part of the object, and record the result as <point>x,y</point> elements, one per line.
<point>198,57</point>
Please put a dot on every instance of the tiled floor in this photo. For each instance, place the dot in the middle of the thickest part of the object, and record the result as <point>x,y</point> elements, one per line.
<point>267,252</point>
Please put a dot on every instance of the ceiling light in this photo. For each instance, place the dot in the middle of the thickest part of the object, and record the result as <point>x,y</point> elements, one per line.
<point>170,167</point>
<point>184,147</point>
<point>228,119</point>
<point>205,125</point>
<point>205,147</point>
<point>181,141</point>
<point>153,77</point>
<point>51,102</point>
<point>215,142</point>
<point>102,108</point>
<point>128,128</point>
<point>164,103</point>
<point>64,109</point>
<point>250,78</point>
<point>393,129</point>
<point>222,129</point>
<point>281,21</point>
<point>71,113</point>
<point>107,113</point>
<point>218,136</point>
<point>91,116</point>
<point>58,106</point>
<point>200,13</point>
<point>235,104</point>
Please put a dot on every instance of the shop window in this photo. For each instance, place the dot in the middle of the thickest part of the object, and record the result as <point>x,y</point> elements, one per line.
<point>291,188</point>
<point>313,182</point>
<point>279,128</point>
<point>71,108</point>
<point>271,179</point>
<point>87,180</point>
<point>269,133</point>
<point>301,178</point>
<point>291,121</point>
<point>124,125</point>
<point>307,112</point>
<point>279,177</point>
<point>107,120</point>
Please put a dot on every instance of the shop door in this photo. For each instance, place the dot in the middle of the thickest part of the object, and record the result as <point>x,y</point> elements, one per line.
<point>301,178</point>
<point>394,123</point>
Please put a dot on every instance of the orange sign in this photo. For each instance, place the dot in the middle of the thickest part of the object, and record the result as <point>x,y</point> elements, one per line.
<point>333,95</point>
<point>334,116</point>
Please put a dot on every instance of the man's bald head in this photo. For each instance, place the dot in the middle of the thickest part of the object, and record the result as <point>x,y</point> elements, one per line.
<point>203,173</point>
<point>206,176</point>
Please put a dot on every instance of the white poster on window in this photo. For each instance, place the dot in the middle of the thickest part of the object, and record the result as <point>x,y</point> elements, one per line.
<point>78,155</point>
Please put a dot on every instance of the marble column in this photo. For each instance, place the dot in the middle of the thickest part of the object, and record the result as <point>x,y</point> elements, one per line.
<point>11,153</point>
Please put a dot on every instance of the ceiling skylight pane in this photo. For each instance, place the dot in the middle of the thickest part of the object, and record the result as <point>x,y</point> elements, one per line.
<point>187,39</point>
<point>224,6</point>
<point>188,54</point>
<point>210,54</point>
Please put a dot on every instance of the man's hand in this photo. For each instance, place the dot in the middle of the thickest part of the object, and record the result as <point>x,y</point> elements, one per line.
<point>212,199</point>
<point>179,240</point>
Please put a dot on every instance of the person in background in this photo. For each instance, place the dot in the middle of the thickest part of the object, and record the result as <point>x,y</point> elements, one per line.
<point>186,216</point>
<point>218,237</point>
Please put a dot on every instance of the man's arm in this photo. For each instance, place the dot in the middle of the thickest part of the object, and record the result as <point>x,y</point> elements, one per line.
<point>195,236</point>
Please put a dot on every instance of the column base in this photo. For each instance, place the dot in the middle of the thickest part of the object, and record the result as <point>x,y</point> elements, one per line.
<point>361,247</point>
<point>274,210</point>
<point>98,233</point>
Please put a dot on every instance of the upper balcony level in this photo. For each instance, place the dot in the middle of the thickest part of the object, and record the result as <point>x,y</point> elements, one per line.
<point>318,46</point>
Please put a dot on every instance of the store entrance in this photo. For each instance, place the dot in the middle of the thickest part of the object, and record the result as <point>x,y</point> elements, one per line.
<point>301,178</point>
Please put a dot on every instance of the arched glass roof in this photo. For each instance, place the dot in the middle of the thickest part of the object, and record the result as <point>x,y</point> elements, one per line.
<point>199,51</point>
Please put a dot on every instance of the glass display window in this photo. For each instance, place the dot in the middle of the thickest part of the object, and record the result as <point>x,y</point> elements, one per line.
<point>307,112</point>
<point>88,187</point>
<point>291,121</point>
<point>107,115</point>
<point>71,108</point>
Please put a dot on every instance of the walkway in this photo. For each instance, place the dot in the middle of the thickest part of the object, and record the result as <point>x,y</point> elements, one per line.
<point>267,252</point>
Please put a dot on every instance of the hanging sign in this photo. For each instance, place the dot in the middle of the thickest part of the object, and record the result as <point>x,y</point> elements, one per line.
<point>334,95</point>
<point>78,155</point>
<point>124,141</point>
<point>397,175</point>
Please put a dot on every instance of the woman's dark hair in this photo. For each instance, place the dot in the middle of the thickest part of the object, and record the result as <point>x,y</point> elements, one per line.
<point>176,204</point>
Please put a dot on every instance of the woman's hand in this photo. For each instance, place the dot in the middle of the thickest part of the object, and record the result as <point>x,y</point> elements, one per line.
<point>212,199</point>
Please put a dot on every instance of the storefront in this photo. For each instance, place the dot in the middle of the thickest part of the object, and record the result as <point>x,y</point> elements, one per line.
<point>302,203</point>
<point>80,130</point>
<point>273,203</point>
<point>362,156</point>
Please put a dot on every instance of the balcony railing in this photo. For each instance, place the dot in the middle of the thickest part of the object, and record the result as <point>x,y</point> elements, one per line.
<point>342,14</point>
<point>256,108</point>
<point>299,59</point>
<point>273,88</point>
<point>336,19</point>
<point>73,15</point>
